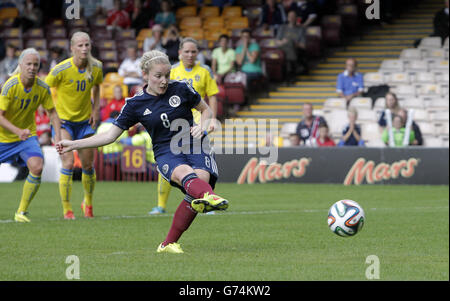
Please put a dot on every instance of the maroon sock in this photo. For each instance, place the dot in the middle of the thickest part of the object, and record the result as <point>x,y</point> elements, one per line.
<point>184,215</point>
<point>195,187</point>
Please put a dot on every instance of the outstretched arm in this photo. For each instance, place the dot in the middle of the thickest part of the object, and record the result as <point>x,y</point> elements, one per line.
<point>97,140</point>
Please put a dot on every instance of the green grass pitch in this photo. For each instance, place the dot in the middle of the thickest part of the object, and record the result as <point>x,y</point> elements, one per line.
<point>270,232</point>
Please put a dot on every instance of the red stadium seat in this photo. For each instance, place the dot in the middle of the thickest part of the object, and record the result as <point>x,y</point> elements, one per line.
<point>274,60</point>
<point>314,41</point>
<point>105,44</point>
<point>56,33</point>
<point>235,93</point>
<point>62,43</point>
<point>350,21</point>
<point>39,44</point>
<point>331,29</point>
<point>11,33</point>
<point>34,33</point>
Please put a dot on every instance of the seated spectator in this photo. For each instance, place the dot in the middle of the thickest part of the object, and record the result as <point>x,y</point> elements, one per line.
<point>391,104</point>
<point>351,135</point>
<point>57,55</point>
<point>223,59</point>
<point>9,63</point>
<point>155,41</point>
<point>306,12</point>
<point>43,127</point>
<point>291,39</point>
<point>140,16</point>
<point>165,17</point>
<point>294,139</point>
<point>30,16</point>
<point>397,131</point>
<point>273,15</point>
<point>248,57</point>
<point>441,23</point>
<point>114,104</point>
<point>350,83</point>
<point>418,140</point>
<point>130,69</point>
<point>171,44</point>
<point>324,138</point>
<point>307,128</point>
<point>118,18</point>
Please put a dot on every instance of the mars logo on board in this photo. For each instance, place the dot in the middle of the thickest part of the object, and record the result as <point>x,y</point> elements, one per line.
<point>362,170</point>
<point>261,171</point>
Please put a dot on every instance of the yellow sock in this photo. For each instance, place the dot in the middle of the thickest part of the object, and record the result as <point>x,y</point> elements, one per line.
<point>65,188</point>
<point>29,190</point>
<point>88,179</point>
<point>164,188</point>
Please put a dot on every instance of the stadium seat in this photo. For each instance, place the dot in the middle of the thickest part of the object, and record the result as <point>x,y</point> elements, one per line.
<point>332,104</point>
<point>314,41</point>
<point>411,54</point>
<point>99,22</point>
<point>287,129</point>
<point>61,43</point>
<point>424,78</point>
<point>370,131</point>
<point>77,23</point>
<point>331,29</point>
<point>253,14</point>
<point>350,19</point>
<point>212,37</point>
<point>232,12</point>
<point>101,33</point>
<point>34,33</point>
<point>404,91</point>
<point>113,78</point>
<point>213,23</point>
<point>209,11</point>
<point>15,41</point>
<point>105,44</point>
<point>421,115</point>
<point>441,127</point>
<point>373,79</point>
<point>439,116</point>
<point>235,93</point>
<point>367,116</point>
<point>427,128</point>
<point>430,89</point>
<point>186,11</point>
<point>261,33</point>
<point>6,23</point>
<point>380,104</point>
<point>11,33</point>
<point>417,66</point>
<point>125,34</point>
<point>431,42</point>
<point>236,23</point>
<point>56,33</point>
<point>361,103</point>
<point>399,78</point>
<point>274,62</point>
<point>268,44</point>
<point>392,66</point>
<point>413,103</point>
<point>442,77</point>
<point>39,44</point>
<point>193,32</point>
<point>439,65</point>
<point>435,54</point>
<point>108,56</point>
<point>143,34</point>
<point>337,120</point>
<point>432,141</point>
<point>190,22</point>
<point>9,13</point>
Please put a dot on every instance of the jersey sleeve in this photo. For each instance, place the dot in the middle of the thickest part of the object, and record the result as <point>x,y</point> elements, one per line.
<point>53,78</point>
<point>98,77</point>
<point>211,84</point>
<point>5,97</point>
<point>126,118</point>
<point>192,96</point>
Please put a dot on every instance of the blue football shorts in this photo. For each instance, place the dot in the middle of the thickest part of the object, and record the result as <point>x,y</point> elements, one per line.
<point>77,130</point>
<point>20,151</point>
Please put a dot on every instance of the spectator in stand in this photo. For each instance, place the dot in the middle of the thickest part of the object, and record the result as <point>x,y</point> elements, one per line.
<point>398,132</point>
<point>30,15</point>
<point>441,23</point>
<point>90,9</point>
<point>391,104</point>
<point>129,68</point>
<point>351,135</point>
<point>141,16</point>
<point>291,38</point>
<point>294,139</point>
<point>273,15</point>
<point>223,59</point>
<point>324,137</point>
<point>155,41</point>
<point>248,57</point>
<point>307,128</point>
<point>9,63</point>
<point>171,44</point>
<point>418,140</point>
<point>43,127</point>
<point>118,18</point>
<point>220,3</point>
<point>350,83</point>
<point>306,12</point>
<point>57,55</point>
<point>114,104</point>
<point>165,17</point>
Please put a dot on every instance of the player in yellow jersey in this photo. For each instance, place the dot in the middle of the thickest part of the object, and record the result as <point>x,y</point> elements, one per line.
<point>200,77</point>
<point>20,97</point>
<point>75,81</point>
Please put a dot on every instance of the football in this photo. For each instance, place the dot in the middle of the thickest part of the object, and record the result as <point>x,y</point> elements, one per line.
<point>346,218</point>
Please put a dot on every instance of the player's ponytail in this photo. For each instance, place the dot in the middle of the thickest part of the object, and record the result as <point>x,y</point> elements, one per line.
<point>22,56</point>
<point>151,58</point>
<point>91,61</point>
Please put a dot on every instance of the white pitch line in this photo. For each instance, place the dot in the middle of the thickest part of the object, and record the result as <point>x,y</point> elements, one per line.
<point>235,213</point>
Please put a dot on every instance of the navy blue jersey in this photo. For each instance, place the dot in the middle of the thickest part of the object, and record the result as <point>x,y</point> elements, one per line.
<point>156,113</point>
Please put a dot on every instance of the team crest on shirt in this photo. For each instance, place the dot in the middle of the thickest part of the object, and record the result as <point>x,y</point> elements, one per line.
<point>174,101</point>
<point>165,168</point>
<point>197,77</point>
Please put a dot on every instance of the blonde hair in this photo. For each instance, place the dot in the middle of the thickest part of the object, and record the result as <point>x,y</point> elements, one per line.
<point>22,56</point>
<point>91,61</point>
<point>151,58</point>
